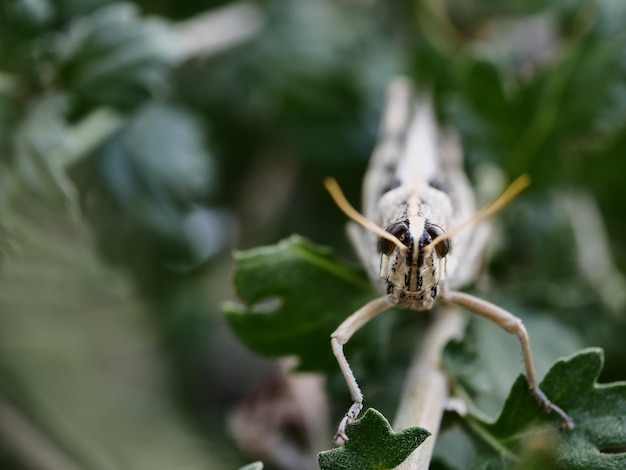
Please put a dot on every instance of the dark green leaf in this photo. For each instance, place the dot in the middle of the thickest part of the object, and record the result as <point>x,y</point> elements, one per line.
<point>373,445</point>
<point>294,295</point>
<point>597,442</point>
<point>25,16</point>
<point>115,57</point>
<point>164,147</point>
<point>144,182</point>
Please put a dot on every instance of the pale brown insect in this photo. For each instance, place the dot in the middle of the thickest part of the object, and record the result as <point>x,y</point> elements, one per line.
<point>416,200</point>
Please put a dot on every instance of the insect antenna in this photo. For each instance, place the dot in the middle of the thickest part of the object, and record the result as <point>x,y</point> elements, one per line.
<point>336,193</point>
<point>516,187</point>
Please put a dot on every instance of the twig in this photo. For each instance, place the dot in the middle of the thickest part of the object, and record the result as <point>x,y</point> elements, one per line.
<point>426,390</point>
<point>220,29</point>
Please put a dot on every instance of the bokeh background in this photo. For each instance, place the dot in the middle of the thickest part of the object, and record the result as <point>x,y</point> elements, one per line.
<point>141,142</point>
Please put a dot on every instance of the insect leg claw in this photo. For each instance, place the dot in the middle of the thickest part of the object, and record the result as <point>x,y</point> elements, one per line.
<point>567,422</point>
<point>340,437</point>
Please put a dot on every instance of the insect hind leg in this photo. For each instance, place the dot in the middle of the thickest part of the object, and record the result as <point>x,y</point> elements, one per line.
<point>511,324</point>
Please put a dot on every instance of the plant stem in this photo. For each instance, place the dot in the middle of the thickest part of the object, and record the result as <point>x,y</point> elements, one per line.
<point>220,28</point>
<point>426,390</point>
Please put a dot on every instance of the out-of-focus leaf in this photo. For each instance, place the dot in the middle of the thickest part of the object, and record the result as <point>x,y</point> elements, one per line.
<point>373,445</point>
<point>22,18</point>
<point>144,181</point>
<point>487,376</point>
<point>21,23</point>
<point>79,361</point>
<point>26,15</point>
<point>37,139</point>
<point>68,9</point>
<point>114,57</point>
<point>165,150</point>
<point>598,440</point>
<point>536,114</point>
<point>308,77</point>
<point>294,296</point>
<point>45,146</point>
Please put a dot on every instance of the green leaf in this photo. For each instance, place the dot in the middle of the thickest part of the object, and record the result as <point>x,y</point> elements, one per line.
<point>79,363</point>
<point>294,295</point>
<point>486,376</point>
<point>373,445</point>
<point>164,148</point>
<point>597,442</point>
<point>41,142</point>
<point>144,182</point>
<point>113,56</point>
<point>45,146</point>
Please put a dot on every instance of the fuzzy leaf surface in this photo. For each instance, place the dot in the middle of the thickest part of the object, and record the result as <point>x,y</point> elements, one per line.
<point>373,445</point>
<point>598,440</point>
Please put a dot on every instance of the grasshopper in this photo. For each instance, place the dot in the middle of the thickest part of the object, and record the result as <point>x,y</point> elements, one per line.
<point>417,237</point>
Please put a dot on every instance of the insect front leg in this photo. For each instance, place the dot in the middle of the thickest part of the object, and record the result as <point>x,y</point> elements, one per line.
<point>514,325</point>
<point>340,337</point>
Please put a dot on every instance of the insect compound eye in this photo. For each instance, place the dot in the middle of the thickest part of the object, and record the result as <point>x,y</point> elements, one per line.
<point>397,229</point>
<point>443,247</point>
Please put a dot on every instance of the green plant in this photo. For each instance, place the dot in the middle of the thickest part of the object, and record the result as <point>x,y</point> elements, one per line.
<point>132,161</point>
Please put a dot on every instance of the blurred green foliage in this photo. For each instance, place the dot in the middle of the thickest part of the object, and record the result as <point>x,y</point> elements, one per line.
<point>129,168</point>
